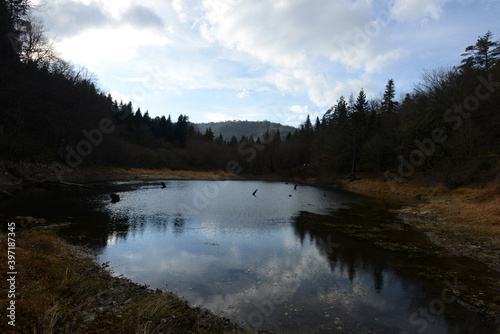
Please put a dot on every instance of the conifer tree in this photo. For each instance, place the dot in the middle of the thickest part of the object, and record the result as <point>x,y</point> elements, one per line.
<point>388,103</point>
<point>483,55</point>
<point>209,134</point>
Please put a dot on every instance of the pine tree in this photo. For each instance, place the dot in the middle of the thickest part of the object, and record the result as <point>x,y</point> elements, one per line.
<point>358,120</point>
<point>220,139</point>
<point>317,125</point>
<point>169,130</point>
<point>277,136</point>
<point>308,128</point>
<point>146,118</point>
<point>388,103</point>
<point>138,117</point>
<point>341,111</point>
<point>233,141</point>
<point>209,134</point>
<point>181,130</point>
<point>361,104</point>
<point>483,55</point>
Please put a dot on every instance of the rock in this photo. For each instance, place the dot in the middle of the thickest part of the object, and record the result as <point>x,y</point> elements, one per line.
<point>115,198</point>
<point>88,318</point>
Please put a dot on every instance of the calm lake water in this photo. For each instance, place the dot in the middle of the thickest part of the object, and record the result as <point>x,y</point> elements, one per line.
<point>260,260</point>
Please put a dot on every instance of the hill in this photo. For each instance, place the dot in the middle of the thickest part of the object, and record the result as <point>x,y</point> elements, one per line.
<point>244,128</point>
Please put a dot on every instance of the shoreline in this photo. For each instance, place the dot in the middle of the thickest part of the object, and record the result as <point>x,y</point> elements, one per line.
<point>432,210</point>
<point>450,218</point>
<point>465,221</point>
<point>61,287</point>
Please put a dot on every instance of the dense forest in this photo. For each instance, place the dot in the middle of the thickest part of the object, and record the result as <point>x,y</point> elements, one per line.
<point>447,127</point>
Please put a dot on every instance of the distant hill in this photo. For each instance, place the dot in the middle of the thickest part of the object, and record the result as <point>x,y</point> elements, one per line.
<point>244,128</point>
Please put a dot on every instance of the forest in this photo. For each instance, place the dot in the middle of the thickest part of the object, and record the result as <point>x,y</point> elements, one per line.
<point>446,129</point>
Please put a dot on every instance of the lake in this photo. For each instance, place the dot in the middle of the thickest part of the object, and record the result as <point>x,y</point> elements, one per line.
<point>273,260</point>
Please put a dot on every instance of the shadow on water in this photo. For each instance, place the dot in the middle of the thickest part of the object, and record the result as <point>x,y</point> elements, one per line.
<point>303,260</point>
<point>363,239</point>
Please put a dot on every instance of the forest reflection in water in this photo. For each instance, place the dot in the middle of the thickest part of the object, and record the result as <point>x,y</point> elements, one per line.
<point>275,260</point>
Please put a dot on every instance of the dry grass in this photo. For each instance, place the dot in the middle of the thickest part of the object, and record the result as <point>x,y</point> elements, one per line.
<point>50,283</point>
<point>470,215</point>
<point>473,212</point>
<point>54,289</point>
<point>406,189</point>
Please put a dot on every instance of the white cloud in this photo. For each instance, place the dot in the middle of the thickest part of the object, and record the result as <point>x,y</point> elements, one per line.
<point>285,33</point>
<point>414,10</point>
<point>301,110</point>
<point>321,90</point>
<point>178,6</point>
<point>116,44</point>
<point>279,52</point>
<point>119,96</point>
<point>243,94</point>
<point>379,62</point>
<point>218,117</point>
<point>294,38</point>
<point>298,114</point>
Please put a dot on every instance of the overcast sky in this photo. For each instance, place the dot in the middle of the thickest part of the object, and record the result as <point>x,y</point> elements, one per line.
<point>278,60</point>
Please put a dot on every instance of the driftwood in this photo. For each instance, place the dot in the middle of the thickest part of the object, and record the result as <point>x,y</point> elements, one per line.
<point>7,194</point>
<point>43,183</point>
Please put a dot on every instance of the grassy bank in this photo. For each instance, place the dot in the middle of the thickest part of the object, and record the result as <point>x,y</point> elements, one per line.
<point>465,220</point>
<point>165,173</point>
<point>60,289</point>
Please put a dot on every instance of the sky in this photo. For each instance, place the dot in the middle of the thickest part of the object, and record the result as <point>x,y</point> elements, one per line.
<point>276,60</point>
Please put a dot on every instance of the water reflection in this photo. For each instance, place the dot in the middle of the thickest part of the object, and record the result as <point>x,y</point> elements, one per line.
<point>258,261</point>
<point>264,261</point>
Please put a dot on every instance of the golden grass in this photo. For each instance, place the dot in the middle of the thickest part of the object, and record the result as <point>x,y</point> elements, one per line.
<point>50,283</point>
<point>472,213</point>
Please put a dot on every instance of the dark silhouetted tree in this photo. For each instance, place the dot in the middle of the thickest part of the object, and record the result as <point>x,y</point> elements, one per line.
<point>209,134</point>
<point>482,55</point>
<point>388,103</point>
<point>181,130</point>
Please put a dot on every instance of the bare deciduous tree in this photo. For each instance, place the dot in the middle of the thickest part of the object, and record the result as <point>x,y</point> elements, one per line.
<point>36,47</point>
